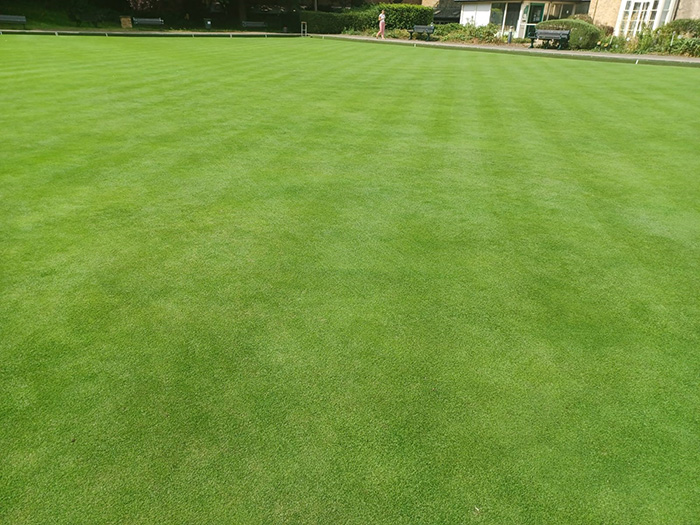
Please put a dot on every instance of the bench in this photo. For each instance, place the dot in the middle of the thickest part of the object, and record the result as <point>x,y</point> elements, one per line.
<point>548,35</point>
<point>14,19</point>
<point>427,30</point>
<point>148,21</point>
<point>248,23</point>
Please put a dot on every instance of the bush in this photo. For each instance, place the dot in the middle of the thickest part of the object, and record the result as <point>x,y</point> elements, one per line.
<point>683,26</point>
<point>583,34</point>
<point>607,30</point>
<point>404,16</point>
<point>327,23</point>
<point>398,16</point>
<point>616,44</point>
<point>468,33</point>
<point>585,18</point>
<point>686,46</point>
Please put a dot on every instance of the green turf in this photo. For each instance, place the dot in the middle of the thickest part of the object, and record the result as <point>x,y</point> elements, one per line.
<point>311,281</point>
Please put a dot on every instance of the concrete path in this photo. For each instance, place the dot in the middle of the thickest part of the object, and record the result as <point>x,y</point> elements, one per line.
<point>524,49</point>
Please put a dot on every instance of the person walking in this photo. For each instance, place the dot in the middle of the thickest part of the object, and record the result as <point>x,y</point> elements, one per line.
<point>382,25</point>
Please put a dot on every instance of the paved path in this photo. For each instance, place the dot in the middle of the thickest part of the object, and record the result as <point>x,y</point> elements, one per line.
<point>524,49</point>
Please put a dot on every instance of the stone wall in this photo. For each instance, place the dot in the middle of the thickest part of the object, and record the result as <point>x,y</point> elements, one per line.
<point>688,9</point>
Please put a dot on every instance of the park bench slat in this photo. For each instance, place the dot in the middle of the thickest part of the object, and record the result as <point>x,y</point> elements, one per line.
<point>148,21</point>
<point>250,23</point>
<point>426,30</point>
<point>13,19</point>
<point>546,35</point>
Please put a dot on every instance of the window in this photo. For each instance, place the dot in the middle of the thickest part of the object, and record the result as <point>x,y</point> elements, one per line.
<point>497,12</point>
<point>557,11</point>
<point>638,14</point>
<point>512,15</point>
<point>505,15</point>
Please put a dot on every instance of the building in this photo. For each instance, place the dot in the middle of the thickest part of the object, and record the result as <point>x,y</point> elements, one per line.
<point>627,17</point>
<point>518,17</point>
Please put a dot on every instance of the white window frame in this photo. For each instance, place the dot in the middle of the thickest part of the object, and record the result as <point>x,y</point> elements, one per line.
<point>626,27</point>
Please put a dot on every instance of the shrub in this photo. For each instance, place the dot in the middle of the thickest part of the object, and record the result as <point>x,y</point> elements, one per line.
<point>683,26</point>
<point>583,34</point>
<point>468,33</point>
<point>607,30</point>
<point>398,16</point>
<point>686,46</point>
<point>585,18</point>
<point>404,16</point>
<point>328,23</point>
<point>616,44</point>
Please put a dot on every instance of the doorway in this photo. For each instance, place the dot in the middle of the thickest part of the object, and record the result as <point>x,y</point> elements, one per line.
<point>534,17</point>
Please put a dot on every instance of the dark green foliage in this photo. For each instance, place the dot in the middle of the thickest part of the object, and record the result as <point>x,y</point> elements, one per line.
<point>398,16</point>
<point>405,16</point>
<point>322,22</point>
<point>583,34</point>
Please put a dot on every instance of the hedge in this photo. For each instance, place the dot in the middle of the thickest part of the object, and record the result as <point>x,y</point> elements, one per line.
<point>398,16</point>
<point>583,34</point>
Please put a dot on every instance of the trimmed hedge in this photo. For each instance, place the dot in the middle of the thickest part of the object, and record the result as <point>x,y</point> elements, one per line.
<point>398,16</point>
<point>404,16</point>
<point>583,34</point>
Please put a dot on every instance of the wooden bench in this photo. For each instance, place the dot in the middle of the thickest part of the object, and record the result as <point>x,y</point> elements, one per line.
<point>249,23</point>
<point>548,35</point>
<point>14,19</point>
<point>148,21</point>
<point>427,30</point>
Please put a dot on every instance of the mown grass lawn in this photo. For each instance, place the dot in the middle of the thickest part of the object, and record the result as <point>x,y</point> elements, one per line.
<point>312,281</point>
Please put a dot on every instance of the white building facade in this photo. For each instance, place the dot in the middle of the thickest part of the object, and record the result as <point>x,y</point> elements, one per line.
<point>627,17</point>
<point>518,17</point>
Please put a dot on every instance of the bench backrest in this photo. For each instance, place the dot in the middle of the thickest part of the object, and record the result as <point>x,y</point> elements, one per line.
<point>148,21</point>
<point>553,33</point>
<point>15,19</point>
<point>247,23</point>
<point>423,29</point>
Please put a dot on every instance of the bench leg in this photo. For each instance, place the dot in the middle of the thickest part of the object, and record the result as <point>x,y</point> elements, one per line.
<point>532,43</point>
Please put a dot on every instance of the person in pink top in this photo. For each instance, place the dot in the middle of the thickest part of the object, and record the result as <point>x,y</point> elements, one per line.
<point>382,24</point>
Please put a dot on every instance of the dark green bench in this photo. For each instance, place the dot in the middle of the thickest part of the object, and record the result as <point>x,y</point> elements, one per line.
<point>551,35</point>
<point>427,30</point>
<point>14,19</point>
<point>147,21</point>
